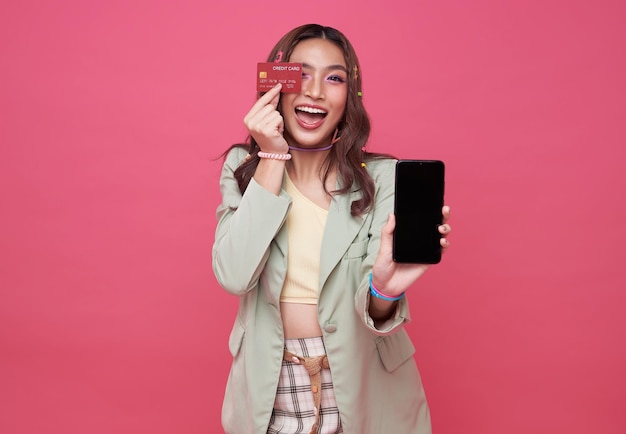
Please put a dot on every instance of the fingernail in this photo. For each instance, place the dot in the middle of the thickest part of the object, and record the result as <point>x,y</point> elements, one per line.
<point>295,360</point>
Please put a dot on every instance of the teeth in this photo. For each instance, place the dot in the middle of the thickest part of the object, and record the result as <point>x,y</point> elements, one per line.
<point>311,110</point>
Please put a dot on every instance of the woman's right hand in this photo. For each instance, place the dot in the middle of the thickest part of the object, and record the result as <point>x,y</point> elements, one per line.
<point>265,123</point>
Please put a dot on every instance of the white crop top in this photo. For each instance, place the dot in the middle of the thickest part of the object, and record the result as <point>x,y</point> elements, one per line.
<point>305,228</point>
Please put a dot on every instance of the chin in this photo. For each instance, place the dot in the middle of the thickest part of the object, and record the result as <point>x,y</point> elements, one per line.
<point>320,136</point>
<point>307,141</point>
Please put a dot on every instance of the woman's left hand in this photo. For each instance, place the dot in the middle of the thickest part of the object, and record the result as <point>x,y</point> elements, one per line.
<point>394,278</point>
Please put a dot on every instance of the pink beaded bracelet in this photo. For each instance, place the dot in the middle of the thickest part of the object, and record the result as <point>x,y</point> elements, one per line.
<point>273,156</point>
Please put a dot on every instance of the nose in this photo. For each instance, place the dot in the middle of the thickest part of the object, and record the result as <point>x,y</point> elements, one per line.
<point>314,87</point>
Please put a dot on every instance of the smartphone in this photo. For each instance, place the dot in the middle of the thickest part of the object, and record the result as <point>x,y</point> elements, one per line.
<point>417,207</point>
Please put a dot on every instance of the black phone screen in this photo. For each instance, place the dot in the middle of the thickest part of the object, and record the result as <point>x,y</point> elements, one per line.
<point>417,207</point>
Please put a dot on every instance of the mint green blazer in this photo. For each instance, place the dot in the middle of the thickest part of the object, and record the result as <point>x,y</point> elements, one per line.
<point>376,381</point>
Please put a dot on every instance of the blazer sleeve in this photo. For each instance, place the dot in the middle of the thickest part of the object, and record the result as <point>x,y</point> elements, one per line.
<point>383,174</point>
<point>247,224</point>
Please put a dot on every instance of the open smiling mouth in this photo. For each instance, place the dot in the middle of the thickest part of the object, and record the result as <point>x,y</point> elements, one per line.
<point>310,116</point>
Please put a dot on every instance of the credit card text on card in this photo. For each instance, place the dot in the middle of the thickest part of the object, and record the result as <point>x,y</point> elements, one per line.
<point>270,74</point>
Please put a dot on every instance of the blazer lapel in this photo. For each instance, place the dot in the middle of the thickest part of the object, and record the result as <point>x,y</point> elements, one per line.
<point>281,239</point>
<point>341,228</point>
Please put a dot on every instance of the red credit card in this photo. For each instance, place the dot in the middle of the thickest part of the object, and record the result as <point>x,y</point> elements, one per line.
<point>269,75</point>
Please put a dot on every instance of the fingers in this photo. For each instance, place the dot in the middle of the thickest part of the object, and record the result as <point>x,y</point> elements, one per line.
<point>270,97</point>
<point>390,225</point>
<point>444,244</point>
<point>445,211</point>
<point>268,122</point>
<point>445,229</point>
<point>386,237</point>
<point>265,123</point>
<point>267,103</point>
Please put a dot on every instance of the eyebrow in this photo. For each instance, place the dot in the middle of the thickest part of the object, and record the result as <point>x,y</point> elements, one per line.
<point>327,68</point>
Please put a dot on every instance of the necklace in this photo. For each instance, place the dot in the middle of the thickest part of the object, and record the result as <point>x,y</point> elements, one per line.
<point>325,148</point>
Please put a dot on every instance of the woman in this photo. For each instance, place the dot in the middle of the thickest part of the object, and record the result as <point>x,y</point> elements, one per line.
<point>304,238</point>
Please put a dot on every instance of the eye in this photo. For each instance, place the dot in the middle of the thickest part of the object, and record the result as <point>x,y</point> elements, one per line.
<point>337,79</point>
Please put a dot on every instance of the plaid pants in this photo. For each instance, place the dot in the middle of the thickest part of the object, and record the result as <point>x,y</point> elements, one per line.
<point>294,409</point>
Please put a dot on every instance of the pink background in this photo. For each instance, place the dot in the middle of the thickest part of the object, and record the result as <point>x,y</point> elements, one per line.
<point>111,117</point>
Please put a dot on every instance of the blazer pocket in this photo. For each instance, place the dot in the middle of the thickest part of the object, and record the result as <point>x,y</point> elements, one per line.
<point>394,350</point>
<point>236,338</point>
<point>357,250</point>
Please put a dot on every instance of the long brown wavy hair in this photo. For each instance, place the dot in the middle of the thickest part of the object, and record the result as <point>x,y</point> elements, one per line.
<point>348,154</point>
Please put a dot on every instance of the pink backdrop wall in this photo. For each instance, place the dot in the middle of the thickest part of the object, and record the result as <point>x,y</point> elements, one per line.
<point>111,115</point>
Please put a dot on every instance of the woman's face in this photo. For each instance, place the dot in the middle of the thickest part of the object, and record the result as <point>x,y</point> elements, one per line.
<point>312,115</point>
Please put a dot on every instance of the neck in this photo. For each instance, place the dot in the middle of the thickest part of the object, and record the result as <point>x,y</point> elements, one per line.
<point>307,166</point>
